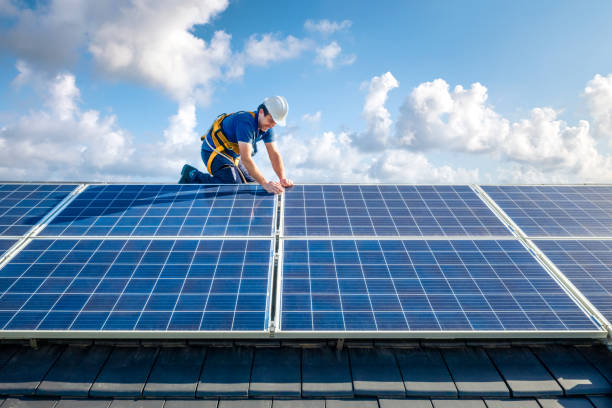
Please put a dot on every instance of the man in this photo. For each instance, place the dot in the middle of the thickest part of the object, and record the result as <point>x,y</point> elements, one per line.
<point>230,142</point>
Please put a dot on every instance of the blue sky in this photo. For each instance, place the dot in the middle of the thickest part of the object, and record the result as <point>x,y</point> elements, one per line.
<point>121,90</point>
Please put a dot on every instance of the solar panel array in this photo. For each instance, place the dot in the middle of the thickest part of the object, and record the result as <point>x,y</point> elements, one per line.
<point>388,210</point>
<point>24,205</point>
<point>365,260</point>
<point>394,285</point>
<point>562,211</point>
<point>588,265</point>
<point>166,211</point>
<point>126,285</point>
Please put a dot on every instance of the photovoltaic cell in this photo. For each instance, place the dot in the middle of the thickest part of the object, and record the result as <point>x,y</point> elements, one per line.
<point>166,211</point>
<point>5,244</point>
<point>421,285</point>
<point>23,205</point>
<point>137,285</point>
<point>588,265</point>
<point>557,211</point>
<point>387,210</point>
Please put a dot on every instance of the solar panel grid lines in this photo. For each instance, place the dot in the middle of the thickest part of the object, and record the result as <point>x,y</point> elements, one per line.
<point>549,211</point>
<point>166,211</point>
<point>5,246</point>
<point>22,206</point>
<point>388,210</point>
<point>351,289</point>
<point>587,265</point>
<point>141,287</point>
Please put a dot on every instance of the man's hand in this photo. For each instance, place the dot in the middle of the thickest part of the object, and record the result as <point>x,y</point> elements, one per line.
<point>273,187</point>
<point>285,182</point>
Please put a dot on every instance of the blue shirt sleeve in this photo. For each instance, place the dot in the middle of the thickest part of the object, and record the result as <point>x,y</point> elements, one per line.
<point>268,137</point>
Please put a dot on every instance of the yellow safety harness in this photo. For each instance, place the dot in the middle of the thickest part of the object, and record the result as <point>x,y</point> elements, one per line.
<point>221,143</point>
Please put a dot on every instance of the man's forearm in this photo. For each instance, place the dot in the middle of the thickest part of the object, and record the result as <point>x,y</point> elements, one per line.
<point>277,165</point>
<point>254,171</point>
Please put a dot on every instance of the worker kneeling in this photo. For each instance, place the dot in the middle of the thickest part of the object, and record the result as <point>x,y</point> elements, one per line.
<point>234,137</point>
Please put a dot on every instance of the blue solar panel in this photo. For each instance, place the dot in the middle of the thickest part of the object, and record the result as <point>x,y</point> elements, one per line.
<point>388,210</point>
<point>417,285</point>
<point>588,265</point>
<point>557,211</point>
<point>5,244</point>
<point>24,205</point>
<point>166,211</point>
<point>137,285</point>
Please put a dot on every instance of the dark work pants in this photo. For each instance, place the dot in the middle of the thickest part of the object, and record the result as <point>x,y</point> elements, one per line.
<point>224,171</point>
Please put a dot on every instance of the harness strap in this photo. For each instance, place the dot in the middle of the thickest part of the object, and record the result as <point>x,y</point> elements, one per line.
<point>221,143</point>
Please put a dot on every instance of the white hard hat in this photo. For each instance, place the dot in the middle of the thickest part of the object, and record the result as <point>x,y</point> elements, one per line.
<point>278,108</point>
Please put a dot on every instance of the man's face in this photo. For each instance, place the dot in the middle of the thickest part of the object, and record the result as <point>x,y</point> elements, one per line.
<point>265,121</point>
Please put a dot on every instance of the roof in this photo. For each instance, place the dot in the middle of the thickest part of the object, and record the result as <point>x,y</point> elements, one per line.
<point>173,375</point>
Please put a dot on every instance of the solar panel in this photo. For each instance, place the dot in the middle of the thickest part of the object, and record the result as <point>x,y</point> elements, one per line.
<point>387,210</point>
<point>379,286</point>
<point>137,285</point>
<point>166,211</point>
<point>23,205</point>
<point>5,244</point>
<point>588,265</point>
<point>557,211</point>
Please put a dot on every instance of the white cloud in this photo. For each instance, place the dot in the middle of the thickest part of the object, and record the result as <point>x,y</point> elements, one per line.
<point>63,142</point>
<point>598,94</point>
<point>327,27</point>
<point>263,49</point>
<point>376,115</point>
<point>152,41</point>
<point>312,117</point>
<point>330,56</point>
<point>433,116</point>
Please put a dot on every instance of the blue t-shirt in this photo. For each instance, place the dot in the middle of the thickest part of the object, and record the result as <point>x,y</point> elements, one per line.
<point>242,127</point>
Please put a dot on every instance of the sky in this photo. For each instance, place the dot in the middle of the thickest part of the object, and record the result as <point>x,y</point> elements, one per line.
<point>386,92</point>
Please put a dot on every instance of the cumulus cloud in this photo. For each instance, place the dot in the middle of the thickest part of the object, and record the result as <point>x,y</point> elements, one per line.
<point>327,27</point>
<point>540,147</point>
<point>330,56</point>
<point>62,141</point>
<point>266,48</point>
<point>598,94</point>
<point>152,41</point>
<point>433,116</point>
<point>377,117</point>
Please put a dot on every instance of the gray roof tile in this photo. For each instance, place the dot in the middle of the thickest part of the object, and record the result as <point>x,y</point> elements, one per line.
<point>125,373</point>
<point>24,371</point>
<point>83,403</point>
<point>326,373</point>
<point>25,402</point>
<point>566,402</point>
<point>511,403</point>
<point>467,403</point>
<point>376,373</point>
<point>575,374</point>
<point>176,372</point>
<point>226,372</point>
<point>276,372</point>
<point>474,374</point>
<point>405,403</point>
<point>425,373</point>
<point>523,373</point>
<point>601,402</point>
<point>74,372</point>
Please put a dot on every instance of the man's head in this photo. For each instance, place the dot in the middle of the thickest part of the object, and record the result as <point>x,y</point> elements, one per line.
<point>272,111</point>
